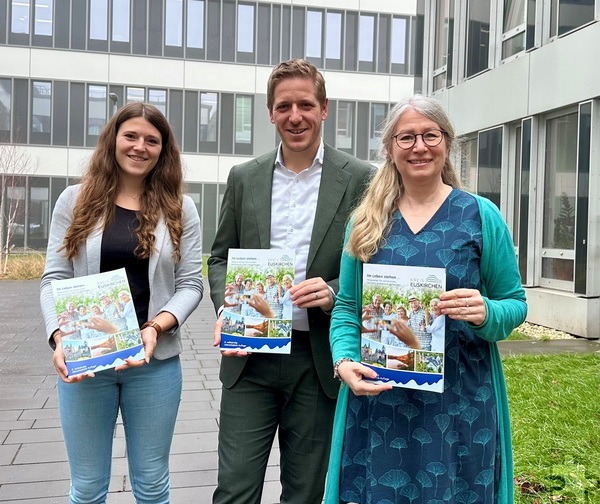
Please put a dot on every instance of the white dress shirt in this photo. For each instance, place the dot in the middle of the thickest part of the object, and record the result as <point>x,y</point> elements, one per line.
<point>293,207</point>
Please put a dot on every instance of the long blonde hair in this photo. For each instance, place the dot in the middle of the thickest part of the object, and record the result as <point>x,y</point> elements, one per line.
<point>162,192</point>
<point>372,218</point>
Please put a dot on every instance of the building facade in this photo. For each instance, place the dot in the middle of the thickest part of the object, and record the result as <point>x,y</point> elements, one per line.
<point>521,82</point>
<point>67,65</point>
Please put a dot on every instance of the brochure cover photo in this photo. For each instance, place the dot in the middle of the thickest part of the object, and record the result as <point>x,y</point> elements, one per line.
<point>399,306</point>
<point>257,309</point>
<point>98,321</point>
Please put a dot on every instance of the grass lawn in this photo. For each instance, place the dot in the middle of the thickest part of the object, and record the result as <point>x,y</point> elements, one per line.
<point>555,411</point>
<point>27,266</point>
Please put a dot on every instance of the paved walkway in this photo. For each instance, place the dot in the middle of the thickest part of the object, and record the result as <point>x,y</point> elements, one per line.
<point>33,466</point>
<point>33,462</point>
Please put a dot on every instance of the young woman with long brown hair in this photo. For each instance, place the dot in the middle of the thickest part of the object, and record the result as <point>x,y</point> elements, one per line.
<point>128,212</point>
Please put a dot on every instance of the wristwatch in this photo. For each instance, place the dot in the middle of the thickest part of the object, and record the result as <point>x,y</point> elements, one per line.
<point>154,326</point>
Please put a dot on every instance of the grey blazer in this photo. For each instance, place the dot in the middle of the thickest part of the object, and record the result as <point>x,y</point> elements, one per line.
<point>174,287</point>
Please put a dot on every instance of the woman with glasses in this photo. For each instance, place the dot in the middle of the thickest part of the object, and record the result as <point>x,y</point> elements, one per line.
<point>396,444</point>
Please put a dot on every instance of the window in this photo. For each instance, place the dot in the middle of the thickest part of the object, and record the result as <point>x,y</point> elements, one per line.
<point>173,23</point>
<point>345,127</point>
<point>314,38</point>
<point>209,121</point>
<point>399,36</point>
<point>158,98</point>
<point>135,94</point>
<point>522,178</point>
<point>195,24</point>
<point>15,197</point>
<point>515,168</point>
<point>468,163</point>
<point>98,20</point>
<point>245,33</point>
<point>19,21</point>
<point>96,112</point>
<point>190,121</point>
<point>38,212</point>
<point>560,181</point>
<point>366,43</point>
<point>513,27</point>
<point>489,164</point>
<point>41,112</point>
<point>5,109</point>
<point>478,36</point>
<point>333,40</point>
<point>378,113</point>
<point>43,17</point>
<point>442,54</point>
<point>243,125</point>
<point>567,15</point>
<point>120,21</point>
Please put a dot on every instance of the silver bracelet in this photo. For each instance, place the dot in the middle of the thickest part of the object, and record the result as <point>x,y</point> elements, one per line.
<point>336,365</point>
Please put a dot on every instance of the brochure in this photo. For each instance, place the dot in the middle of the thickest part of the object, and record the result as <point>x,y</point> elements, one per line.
<point>98,321</point>
<point>396,299</point>
<point>257,314</point>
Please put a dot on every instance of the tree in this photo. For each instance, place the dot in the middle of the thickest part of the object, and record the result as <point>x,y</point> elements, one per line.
<point>15,163</point>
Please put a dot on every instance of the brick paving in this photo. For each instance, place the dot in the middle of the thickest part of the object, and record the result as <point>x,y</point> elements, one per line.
<point>33,462</point>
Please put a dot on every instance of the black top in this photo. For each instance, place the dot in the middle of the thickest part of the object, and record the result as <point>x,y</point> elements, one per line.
<point>118,243</point>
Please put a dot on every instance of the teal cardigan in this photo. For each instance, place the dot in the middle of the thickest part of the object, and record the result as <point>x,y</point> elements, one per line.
<point>506,308</point>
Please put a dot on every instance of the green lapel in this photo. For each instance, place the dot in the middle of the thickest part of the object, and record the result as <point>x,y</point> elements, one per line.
<point>261,182</point>
<point>334,181</point>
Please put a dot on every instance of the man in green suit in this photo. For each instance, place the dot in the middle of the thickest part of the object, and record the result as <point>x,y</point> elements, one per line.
<point>298,196</point>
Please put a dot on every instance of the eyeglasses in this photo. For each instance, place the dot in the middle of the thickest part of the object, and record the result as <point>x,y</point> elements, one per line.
<point>431,138</point>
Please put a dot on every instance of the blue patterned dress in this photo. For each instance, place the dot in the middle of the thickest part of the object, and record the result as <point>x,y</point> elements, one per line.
<point>407,446</point>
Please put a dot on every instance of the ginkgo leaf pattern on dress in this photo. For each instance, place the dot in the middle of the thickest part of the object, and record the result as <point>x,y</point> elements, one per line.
<point>406,445</point>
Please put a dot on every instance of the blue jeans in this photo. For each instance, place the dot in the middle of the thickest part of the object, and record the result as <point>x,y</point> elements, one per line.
<point>148,398</point>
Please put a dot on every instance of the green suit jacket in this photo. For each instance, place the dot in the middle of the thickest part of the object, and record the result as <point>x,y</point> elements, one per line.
<point>245,222</point>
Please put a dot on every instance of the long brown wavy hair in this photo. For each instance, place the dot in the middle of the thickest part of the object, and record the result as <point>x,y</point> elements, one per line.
<point>372,217</point>
<point>162,193</point>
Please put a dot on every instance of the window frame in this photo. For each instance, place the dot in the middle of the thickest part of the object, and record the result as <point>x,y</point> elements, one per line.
<point>40,137</point>
<point>310,34</point>
<point>245,56</point>
<point>334,63</point>
<point>541,251</point>
<point>91,138</point>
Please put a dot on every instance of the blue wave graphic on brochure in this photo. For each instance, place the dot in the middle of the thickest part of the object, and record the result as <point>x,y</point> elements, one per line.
<point>103,362</point>
<point>248,343</point>
<point>385,375</point>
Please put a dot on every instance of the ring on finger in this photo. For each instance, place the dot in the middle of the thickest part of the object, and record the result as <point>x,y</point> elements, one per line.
<point>316,295</point>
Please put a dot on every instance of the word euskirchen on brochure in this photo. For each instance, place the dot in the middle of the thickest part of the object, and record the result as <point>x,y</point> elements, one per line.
<point>99,328</point>
<point>386,290</point>
<point>257,309</point>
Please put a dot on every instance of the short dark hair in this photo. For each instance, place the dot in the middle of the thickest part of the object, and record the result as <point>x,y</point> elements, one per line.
<point>295,68</point>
